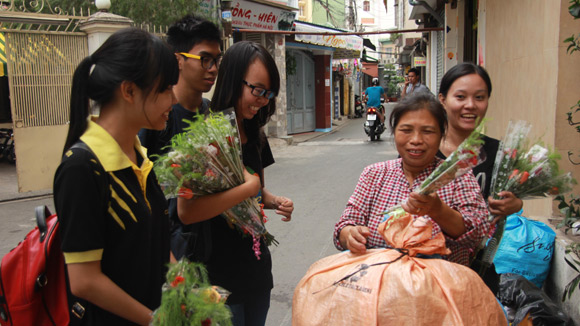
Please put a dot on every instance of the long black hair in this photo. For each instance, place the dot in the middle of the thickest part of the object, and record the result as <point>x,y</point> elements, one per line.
<point>460,70</point>
<point>128,55</point>
<point>229,86</point>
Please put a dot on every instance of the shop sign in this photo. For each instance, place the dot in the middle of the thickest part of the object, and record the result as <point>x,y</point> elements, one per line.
<point>350,42</point>
<point>420,61</point>
<point>252,15</point>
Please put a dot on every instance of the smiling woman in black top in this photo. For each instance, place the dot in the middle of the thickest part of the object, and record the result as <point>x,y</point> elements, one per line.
<point>464,92</point>
<point>248,80</point>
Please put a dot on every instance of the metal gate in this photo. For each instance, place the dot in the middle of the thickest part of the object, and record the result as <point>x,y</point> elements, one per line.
<point>301,114</point>
<point>40,69</point>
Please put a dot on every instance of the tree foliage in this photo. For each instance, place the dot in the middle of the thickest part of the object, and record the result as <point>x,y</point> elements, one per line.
<point>158,12</point>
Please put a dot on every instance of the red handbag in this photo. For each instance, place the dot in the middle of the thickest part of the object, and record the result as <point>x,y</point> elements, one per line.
<point>33,288</point>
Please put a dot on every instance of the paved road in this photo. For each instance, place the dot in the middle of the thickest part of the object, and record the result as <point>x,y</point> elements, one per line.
<point>319,176</point>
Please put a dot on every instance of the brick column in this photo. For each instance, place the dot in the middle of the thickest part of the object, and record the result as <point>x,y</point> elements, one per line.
<point>277,127</point>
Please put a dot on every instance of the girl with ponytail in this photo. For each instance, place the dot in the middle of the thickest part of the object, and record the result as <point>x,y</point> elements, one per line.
<point>112,212</point>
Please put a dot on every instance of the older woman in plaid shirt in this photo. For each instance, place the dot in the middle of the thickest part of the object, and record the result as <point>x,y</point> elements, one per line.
<point>457,209</point>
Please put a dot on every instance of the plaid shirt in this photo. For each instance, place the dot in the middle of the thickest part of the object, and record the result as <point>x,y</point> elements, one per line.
<point>383,185</point>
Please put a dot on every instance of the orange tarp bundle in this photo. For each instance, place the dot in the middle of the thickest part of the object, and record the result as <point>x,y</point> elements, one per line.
<point>395,287</point>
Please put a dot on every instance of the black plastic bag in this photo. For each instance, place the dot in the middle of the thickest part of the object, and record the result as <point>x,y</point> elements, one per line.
<point>523,297</point>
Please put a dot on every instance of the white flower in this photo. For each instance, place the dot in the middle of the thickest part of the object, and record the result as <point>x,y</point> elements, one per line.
<point>537,153</point>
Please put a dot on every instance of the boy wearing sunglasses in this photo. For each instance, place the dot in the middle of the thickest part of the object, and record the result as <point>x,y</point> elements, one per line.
<point>196,44</point>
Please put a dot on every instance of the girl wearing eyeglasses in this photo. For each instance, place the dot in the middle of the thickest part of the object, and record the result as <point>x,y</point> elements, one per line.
<point>248,80</point>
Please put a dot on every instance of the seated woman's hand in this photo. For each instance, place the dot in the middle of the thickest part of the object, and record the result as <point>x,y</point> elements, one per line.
<point>507,205</point>
<point>354,238</point>
<point>423,204</point>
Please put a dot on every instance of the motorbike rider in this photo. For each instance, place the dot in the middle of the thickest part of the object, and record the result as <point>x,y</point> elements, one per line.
<point>373,95</point>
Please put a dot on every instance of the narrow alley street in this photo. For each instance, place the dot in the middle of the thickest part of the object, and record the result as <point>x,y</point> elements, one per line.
<point>319,176</point>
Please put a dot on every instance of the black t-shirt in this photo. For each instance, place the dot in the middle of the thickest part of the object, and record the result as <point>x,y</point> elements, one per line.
<point>106,216</point>
<point>233,264</point>
<point>484,170</point>
<point>156,141</point>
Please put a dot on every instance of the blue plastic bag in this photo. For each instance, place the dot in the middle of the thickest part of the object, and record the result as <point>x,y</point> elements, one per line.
<point>526,249</point>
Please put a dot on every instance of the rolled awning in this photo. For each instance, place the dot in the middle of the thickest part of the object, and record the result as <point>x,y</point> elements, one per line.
<point>3,65</point>
<point>371,69</point>
<point>346,46</point>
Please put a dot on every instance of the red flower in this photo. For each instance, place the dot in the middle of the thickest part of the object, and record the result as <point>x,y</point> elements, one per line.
<point>217,147</point>
<point>209,173</point>
<point>514,173</point>
<point>178,280</point>
<point>513,155</point>
<point>185,193</point>
<point>175,165</point>
<point>525,176</point>
<point>206,322</point>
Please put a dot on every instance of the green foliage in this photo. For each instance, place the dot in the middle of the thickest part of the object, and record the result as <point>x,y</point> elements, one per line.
<point>574,8</point>
<point>161,12</point>
<point>189,299</point>
<point>575,282</point>
<point>395,36</point>
<point>570,208</point>
<point>390,75</point>
<point>574,40</point>
<point>290,64</point>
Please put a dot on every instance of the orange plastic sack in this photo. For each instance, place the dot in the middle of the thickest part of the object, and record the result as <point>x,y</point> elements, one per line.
<point>395,287</point>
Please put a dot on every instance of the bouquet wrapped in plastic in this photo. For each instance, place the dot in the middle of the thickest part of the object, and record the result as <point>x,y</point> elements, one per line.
<point>188,298</point>
<point>207,159</point>
<point>461,161</point>
<point>528,170</point>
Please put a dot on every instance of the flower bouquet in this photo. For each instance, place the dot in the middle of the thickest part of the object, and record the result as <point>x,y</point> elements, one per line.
<point>528,170</point>
<point>463,159</point>
<point>188,298</point>
<point>207,159</point>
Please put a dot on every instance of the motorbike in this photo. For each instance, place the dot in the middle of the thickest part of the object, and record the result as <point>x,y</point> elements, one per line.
<point>358,107</point>
<point>373,126</point>
<point>7,145</point>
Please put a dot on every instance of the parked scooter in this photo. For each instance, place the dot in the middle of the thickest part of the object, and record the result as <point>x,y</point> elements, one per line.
<point>358,107</point>
<point>7,145</point>
<point>373,126</point>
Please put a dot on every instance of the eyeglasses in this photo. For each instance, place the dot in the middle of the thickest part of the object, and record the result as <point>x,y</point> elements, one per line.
<point>259,91</point>
<point>206,61</point>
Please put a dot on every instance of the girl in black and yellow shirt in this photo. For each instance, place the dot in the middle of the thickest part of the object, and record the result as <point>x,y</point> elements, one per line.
<point>113,214</point>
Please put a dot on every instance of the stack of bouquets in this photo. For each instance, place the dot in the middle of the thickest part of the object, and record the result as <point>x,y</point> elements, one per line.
<point>207,159</point>
<point>189,299</point>
<point>528,170</point>
<point>467,155</point>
